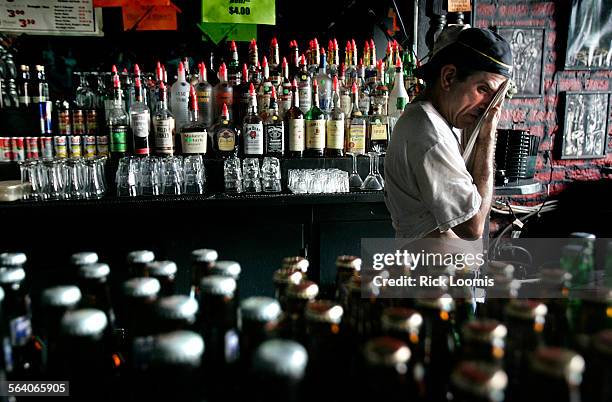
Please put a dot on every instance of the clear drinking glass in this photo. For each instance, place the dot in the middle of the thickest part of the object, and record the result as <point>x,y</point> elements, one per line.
<point>232,175</point>
<point>52,179</point>
<point>355,181</point>
<point>271,174</point>
<point>172,175</point>
<point>94,182</point>
<point>73,179</point>
<point>195,177</point>
<point>371,182</point>
<point>376,171</point>
<point>127,177</point>
<point>150,175</point>
<point>26,169</point>
<point>251,175</point>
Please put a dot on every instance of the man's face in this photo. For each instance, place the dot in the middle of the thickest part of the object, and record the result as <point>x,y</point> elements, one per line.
<point>469,98</point>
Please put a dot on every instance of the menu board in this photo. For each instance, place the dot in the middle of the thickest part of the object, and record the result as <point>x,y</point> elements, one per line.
<point>50,17</point>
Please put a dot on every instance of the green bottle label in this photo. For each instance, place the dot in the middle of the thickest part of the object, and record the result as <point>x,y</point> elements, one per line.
<point>118,138</point>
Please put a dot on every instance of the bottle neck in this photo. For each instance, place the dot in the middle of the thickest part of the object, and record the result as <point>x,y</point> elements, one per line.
<point>315,97</point>
<point>162,104</point>
<point>295,98</point>
<point>252,104</point>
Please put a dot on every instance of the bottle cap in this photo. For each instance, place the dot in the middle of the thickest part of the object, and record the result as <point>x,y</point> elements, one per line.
<point>296,262</point>
<point>306,290</point>
<point>84,258</point>
<point>323,311</point>
<point>87,322</point>
<point>285,276</point>
<point>12,259</point>
<point>61,296</point>
<point>204,255</point>
<point>349,262</point>
<point>141,287</point>
<point>484,330</point>
<point>218,285</point>
<point>12,275</point>
<point>401,319</point>
<point>526,309</point>
<point>178,348</point>
<point>259,308</point>
<point>233,46</point>
<point>94,271</point>
<point>283,358</point>
<point>161,268</point>
<point>140,257</point>
<point>251,89</point>
<point>226,268</point>
<point>480,379</point>
<point>177,307</point>
<point>386,351</point>
<point>558,363</point>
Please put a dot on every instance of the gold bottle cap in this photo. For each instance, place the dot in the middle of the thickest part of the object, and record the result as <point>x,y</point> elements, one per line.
<point>297,262</point>
<point>386,351</point>
<point>484,330</point>
<point>307,290</point>
<point>324,311</point>
<point>401,319</point>
<point>558,363</point>
<point>479,379</point>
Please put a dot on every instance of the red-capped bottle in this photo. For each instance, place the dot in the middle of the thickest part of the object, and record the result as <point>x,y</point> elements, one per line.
<point>253,129</point>
<point>226,136</point>
<point>194,137</point>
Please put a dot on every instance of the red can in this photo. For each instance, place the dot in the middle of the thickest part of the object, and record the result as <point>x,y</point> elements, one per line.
<point>46,147</point>
<point>32,151</point>
<point>17,151</point>
<point>5,149</point>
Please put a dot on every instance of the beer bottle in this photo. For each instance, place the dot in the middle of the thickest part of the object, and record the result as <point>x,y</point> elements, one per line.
<point>56,301</point>
<point>21,349</point>
<point>13,260</point>
<point>165,273</point>
<point>497,298</point>
<point>577,260</point>
<point>593,313</point>
<point>526,319</point>
<point>230,269</point>
<point>137,261</point>
<point>278,365</point>
<point>174,373</point>
<point>259,320</point>
<point>93,282</point>
<point>597,386</point>
<point>174,313</point>
<point>362,312</point>
<point>347,266</point>
<point>555,285</point>
<point>484,340</point>
<point>84,355</point>
<point>555,374</point>
<point>76,261</point>
<point>386,373</point>
<point>326,348</point>
<point>202,261</point>
<point>478,381</point>
<point>294,323</point>
<point>297,262</point>
<point>437,332</point>
<point>218,328</point>
<point>282,278</point>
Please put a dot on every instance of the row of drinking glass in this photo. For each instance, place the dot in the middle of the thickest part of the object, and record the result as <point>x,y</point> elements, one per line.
<point>64,179</point>
<point>374,180</point>
<point>154,175</point>
<point>250,178</point>
<point>316,181</point>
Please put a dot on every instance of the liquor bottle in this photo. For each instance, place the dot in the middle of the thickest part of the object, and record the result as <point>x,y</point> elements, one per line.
<point>350,70</point>
<point>346,101</point>
<point>241,96</point>
<point>179,98</point>
<point>315,121</point>
<point>117,122</point>
<point>153,87</point>
<point>127,86</point>
<point>23,84</point>
<point>296,128</point>
<point>226,136</point>
<point>194,136</point>
<point>411,82</point>
<point>163,125</point>
<point>370,70</point>
<point>335,125</point>
<point>332,57</point>
<point>275,72</point>
<point>253,56</point>
<point>324,82</point>
<point>398,98</point>
<point>204,94</point>
<point>365,99</point>
<point>274,130</point>
<point>253,129</point>
<point>40,87</point>
<point>233,66</point>
<point>140,119</point>
<point>380,95</point>
<point>294,59</point>
<point>284,90</point>
<point>304,86</point>
<point>264,90</point>
<point>223,92</point>
<point>213,77</point>
<point>356,138</point>
<point>378,130</point>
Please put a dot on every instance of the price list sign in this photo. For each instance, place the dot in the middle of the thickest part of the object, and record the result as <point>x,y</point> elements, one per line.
<point>239,11</point>
<point>49,17</point>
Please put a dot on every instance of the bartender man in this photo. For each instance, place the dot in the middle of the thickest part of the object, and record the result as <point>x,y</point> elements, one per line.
<point>429,190</point>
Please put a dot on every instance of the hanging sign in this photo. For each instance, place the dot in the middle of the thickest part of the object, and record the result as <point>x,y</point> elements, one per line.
<point>50,17</point>
<point>109,3</point>
<point>239,11</point>
<point>459,6</point>
<point>236,32</point>
<point>149,18</point>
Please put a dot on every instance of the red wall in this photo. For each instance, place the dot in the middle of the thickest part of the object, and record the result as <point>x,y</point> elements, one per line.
<point>543,116</point>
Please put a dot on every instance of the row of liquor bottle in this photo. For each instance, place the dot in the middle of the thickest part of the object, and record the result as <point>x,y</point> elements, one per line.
<point>434,347</point>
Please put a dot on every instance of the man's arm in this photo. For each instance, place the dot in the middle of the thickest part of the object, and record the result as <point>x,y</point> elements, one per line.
<point>482,172</point>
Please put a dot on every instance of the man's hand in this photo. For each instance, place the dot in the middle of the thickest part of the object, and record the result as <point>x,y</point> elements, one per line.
<point>489,124</point>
